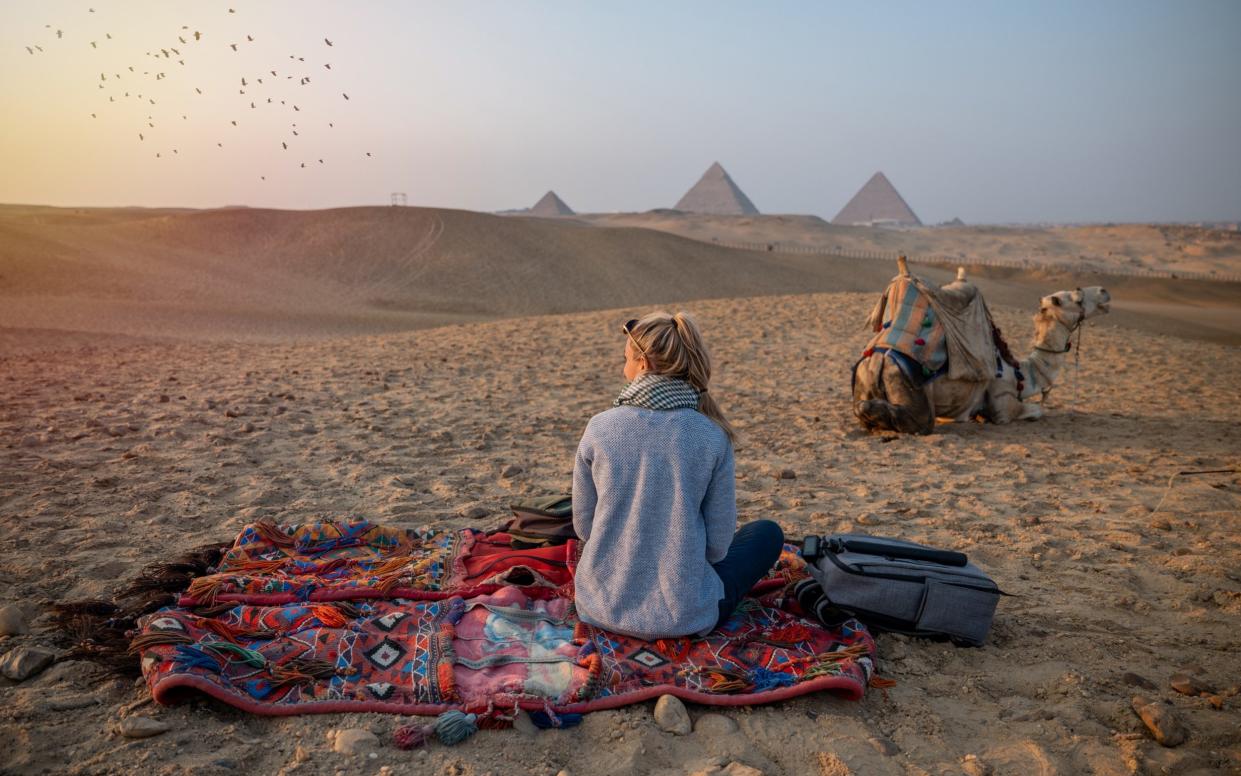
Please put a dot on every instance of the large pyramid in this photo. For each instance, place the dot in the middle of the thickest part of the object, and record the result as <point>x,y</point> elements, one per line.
<point>877,203</point>
<point>551,205</point>
<point>716,193</point>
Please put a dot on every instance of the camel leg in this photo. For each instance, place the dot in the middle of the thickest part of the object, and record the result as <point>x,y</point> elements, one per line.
<point>884,398</point>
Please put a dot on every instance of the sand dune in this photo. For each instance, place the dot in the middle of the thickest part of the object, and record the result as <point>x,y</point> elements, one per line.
<point>116,454</point>
<point>1083,248</point>
<point>240,273</point>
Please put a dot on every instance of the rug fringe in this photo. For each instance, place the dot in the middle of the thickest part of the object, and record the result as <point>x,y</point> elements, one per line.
<point>98,630</point>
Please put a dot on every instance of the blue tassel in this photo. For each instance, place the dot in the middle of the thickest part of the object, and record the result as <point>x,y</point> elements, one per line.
<point>453,727</point>
<point>193,657</point>
<point>770,680</point>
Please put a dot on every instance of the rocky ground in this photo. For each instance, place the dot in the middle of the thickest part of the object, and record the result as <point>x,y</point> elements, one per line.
<point>118,453</point>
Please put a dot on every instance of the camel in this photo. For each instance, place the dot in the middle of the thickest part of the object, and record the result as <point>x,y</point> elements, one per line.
<point>888,395</point>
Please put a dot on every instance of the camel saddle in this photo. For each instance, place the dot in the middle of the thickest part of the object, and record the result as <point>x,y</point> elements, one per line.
<point>940,327</point>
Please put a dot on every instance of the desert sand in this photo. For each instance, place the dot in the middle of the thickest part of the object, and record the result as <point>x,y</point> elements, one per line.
<point>126,437</point>
<point>1099,247</point>
<point>266,275</point>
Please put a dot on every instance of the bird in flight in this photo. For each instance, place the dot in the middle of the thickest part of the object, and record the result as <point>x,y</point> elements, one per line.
<point>60,33</point>
<point>285,145</point>
<point>325,40</point>
<point>328,66</point>
<point>92,44</point>
<point>234,123</point>
<point>231,11</point>
<point>197,35</point>
<point>234,45</point>
<point>346,96</point>
<point>249,38</point>
<point>368,153</point>
<point>30,49</point>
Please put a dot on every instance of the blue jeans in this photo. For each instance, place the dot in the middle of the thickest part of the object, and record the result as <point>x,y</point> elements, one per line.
<point>755,549</point>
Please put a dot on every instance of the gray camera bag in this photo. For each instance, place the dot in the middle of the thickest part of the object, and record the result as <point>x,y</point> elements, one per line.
<point>892,585</point>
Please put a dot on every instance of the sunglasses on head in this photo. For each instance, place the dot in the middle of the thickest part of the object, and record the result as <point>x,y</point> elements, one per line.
<point>627,328</point>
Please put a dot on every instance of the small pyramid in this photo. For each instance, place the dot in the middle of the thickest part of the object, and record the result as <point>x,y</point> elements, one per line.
<point>878,202</point>
<point>551,205</point>
<point>716,193</point>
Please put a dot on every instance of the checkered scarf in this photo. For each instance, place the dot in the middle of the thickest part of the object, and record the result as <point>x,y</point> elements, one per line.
<point>658,392</point>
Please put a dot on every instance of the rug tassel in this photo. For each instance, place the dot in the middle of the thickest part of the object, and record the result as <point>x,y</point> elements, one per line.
<point>452,727</point>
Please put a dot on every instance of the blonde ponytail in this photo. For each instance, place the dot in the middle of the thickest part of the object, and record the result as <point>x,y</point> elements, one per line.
<point>674,347</point>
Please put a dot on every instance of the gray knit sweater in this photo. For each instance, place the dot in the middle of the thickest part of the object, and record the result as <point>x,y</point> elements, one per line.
<point>654,500</point>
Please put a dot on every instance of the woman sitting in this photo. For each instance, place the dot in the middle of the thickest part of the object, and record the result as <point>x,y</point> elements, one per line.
<point>654,500</point>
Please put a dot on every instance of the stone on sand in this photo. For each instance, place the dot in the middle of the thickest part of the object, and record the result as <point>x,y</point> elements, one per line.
<point>351,741</point>
<point>830,764</point>
<point>12,621</point>
<point>1137,680</point>
<point>974,766</point>
<point>141,727</point>
<point>715,725</point>
<point>884,746</point>
<point>732,769</point>
<point>1187,685</point>
<point>671,716</point>
<point>21,663</point>
<point>1161,720</point>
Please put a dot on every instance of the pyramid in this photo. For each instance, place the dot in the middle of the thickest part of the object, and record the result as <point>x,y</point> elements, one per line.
<point>877,203</point>
<point>716,193</point>
<point>551,205</point>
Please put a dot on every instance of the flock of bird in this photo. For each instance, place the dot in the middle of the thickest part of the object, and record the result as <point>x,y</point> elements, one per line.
<point>256,89</point>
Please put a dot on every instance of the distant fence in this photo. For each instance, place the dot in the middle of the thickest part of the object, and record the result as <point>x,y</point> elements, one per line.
<point>775,247</point>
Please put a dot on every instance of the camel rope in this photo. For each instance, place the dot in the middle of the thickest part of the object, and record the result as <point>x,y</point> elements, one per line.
<point>1172,479</point>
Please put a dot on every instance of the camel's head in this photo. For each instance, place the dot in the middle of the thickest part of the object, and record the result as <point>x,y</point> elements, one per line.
<point>1094,300</point>
<point>1063,306</point>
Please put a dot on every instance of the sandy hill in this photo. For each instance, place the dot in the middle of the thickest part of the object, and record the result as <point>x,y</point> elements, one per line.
<point>1097,248</point>
<point>253,273</point>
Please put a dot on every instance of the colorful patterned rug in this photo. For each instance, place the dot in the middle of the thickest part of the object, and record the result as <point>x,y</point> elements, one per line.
<point>353,616</point>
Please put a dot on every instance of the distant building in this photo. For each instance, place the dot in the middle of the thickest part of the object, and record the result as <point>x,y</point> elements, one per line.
<point>878,203</point>
<point>715,193</point>
<point>551,205</point>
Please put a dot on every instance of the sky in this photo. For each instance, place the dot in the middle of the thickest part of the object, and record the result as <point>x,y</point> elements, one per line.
<point>994,112</point>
